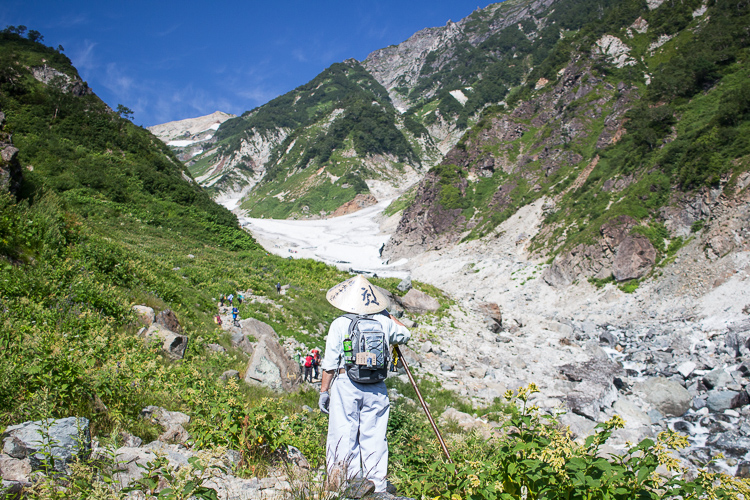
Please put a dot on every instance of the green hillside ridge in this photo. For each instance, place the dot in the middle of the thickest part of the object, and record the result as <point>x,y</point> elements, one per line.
<point>108,219</point>
<point>342,109</point>
<point>685,130</point>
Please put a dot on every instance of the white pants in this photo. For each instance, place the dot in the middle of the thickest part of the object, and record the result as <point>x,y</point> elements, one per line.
<point>357,424</point>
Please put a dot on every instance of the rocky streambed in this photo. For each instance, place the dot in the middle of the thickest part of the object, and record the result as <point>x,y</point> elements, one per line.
<point>656,375</point>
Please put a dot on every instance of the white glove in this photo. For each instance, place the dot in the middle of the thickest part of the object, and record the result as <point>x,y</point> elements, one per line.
<point>323,401</point>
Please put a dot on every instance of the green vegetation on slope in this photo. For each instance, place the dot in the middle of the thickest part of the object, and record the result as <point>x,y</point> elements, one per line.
<point>688,130</point>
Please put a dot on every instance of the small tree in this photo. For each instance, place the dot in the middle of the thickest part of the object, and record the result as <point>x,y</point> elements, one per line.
<point>18,30</point>
<point>35,36</point>
<point>125,112</point>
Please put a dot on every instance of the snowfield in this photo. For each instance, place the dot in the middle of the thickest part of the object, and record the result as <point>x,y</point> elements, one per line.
<point>349,242</point>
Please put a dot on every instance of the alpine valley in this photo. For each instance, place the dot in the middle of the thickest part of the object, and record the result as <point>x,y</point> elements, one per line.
<point>566,185</point>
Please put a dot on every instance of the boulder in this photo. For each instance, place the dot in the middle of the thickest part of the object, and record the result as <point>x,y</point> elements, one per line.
<point>174,434</point>
<point>172,344</point>
<point>145,315</point>
<point>589,398</point>
<point>230,374</point>
<point>164,417</point>
<point>634,258</point>
<point>405,284</point>
<point>686,368</point>
<point>493,314</point>
<point>168,320</point>
<point>717,378</point>
<point>14,469</point>
<point>718,401</point>
<point>412,358</point>
<point>667,396</point>
<point>215,348</point>
<point>731,442</point>
<point>579,426</point>
<point>257,329</point>
<point>478,372</point>
<point>270,365</point>
<point>446,366</point>
<point>464,421</point>
<point>597,370</point>
<point>63,440</point>
<point>419,302</point>
<point>637,422</point>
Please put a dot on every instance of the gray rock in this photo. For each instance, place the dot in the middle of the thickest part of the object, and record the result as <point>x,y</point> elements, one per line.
<point>478,372</point>
<point>12,489</point>
<point>419,302</point>
<point>717,378</point>
<point>598,370</point>
<point>743,470</point>
<point>655,416</point>
<point>164,417</point>
<point>232,458</point>
<point>667,396</point>
<point>634,257</point>
<point>172,344</point>
<point>145,315</point>
<point>270,365</point>
<point>608,338</point>
<point>732,443</point>
<point>579,426</point>
<point>215,348</point>
<point>464,421</point>
<point>412,358</point>
<point>405,284</point>
<point>230,374</point>
<point>637,423</point>
<point>503,339</point>
<point>61,440</point>
<point>130,440</point>
<point>446,366</point>
<point>686,368</point>
<point>14,469</point>
<point>168,319</point>
<point>718,401</point>
<point>589,398</point>
<point>174,434</point>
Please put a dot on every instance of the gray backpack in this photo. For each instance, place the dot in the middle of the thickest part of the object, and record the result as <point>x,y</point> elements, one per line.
<point>368,361</point>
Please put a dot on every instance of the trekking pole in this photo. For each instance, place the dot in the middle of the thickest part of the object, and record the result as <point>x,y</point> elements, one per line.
<point>424,405</point>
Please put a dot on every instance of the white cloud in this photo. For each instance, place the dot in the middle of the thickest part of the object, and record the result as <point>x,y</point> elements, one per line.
<point>83,56</point>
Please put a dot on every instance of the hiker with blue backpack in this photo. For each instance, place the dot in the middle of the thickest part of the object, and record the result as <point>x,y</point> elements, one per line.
<point>353,392</point>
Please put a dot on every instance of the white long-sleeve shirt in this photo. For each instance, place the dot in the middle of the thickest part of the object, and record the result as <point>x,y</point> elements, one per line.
<point>334,355</point>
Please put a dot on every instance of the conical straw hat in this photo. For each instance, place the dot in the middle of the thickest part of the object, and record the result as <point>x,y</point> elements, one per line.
<point>358,296</point>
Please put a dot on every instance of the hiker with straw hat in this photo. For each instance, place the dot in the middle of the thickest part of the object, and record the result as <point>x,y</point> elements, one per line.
<point>357,404</point>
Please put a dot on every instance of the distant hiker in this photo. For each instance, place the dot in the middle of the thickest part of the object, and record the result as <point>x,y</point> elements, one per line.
<point>240,298</point>
<point>235,313</point>
<point>309,360</point>
<point>217,319</point>
<point>298,361</point>
<point>278,288</point>
<point>230,298</point>
<point>355,366</point>
<point>221,300</point>
<point>316,362</point>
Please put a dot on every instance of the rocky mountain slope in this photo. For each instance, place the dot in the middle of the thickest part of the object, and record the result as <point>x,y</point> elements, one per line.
<point>192,136</point>
<point>610,132</point>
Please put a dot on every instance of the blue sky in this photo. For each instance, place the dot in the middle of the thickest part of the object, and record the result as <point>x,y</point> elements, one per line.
<point>171,60</point>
